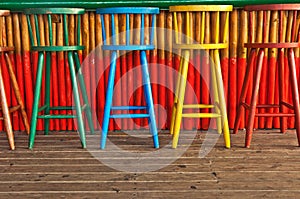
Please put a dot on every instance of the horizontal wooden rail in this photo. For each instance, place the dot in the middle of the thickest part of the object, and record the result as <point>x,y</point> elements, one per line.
<point>15,5</point>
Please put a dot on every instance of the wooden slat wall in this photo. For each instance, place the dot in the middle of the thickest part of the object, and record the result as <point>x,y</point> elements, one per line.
<point>233,69</point>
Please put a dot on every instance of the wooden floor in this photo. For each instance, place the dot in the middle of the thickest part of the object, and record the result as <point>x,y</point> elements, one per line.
<point>59,168</point>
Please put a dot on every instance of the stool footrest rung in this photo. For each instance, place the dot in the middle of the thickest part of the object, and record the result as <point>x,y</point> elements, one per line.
<point>198,106</point>
<point>13,109</point>
<point>128,107</point>
<point>42,108</point>
<point>117,116</point>
<point>128,47</point>
<point>56,116</point>
<point>274,115</point>
<point>287,105</point>
<point>247,106</point>
<point>201,115</point>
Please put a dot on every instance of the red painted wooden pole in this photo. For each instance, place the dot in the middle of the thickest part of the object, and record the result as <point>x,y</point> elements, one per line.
<point>232,84</point>
<point>27,69</point>
<point>153,75</point>
<point>205,72</point>
<point>272,67</point>
<point>242,59</point>
<point>169,64</point>
<point>197,58</point>
<point>100,97</point>
<point>161,73</point>
<point>189,122</point>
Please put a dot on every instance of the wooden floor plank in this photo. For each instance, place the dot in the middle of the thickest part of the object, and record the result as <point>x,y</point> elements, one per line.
<point>58,167</point>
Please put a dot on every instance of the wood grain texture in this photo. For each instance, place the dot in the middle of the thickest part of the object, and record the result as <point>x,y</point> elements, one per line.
<point>58,167</point>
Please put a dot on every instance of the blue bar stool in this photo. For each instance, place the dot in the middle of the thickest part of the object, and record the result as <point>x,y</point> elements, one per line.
<point>145,73</point>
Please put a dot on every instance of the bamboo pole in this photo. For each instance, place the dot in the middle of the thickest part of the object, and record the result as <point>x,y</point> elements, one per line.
<point>118,89</point>
<point>169,64</point>
<point>272,66</point>
<point>87,42</point>
<point>290,122</point>
<point>17,125</point>
<point>55,91</point>
<point>252,38</point>
<point>161,73</point>
<point>263,91</point>
<point>92,66</point>
<point>205,70</point>
<point>197,58</point>
<point>146,41</point>
<point>65,124</point>
<point>18,59</point>
<point>27,70</point>
<point>242,59</point>
<point>258,38</point>
<point>44,41</point>
<point>123,68</point>
<point>232,82</point>
<point>190,122</point>
<point>107,59</point>
<point>99,69</point>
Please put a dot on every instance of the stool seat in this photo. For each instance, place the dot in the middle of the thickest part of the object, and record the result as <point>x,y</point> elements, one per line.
<point>111,45</point>
<point>60,17</point>
<point>285,43</point>
<point>184,41</point>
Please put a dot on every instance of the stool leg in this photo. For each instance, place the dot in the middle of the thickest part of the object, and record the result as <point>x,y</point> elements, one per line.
<point>149,100</point>
<point>242,99</point>
<point>6,115</point>
<point>253,103</point>
<point>47,92</point>
<point>181,93</point>
<point>219,79</point>
<point>17,93</point>
<point>295,93</point>
<point>84,94</point>
<point>108,100</point>
<point>281,88</point>
<point>174,110</point>
<point>214,66</point>
<point>77,99</point>
<point>35,106</point>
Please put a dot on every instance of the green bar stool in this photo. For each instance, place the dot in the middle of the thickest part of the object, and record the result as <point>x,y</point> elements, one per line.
<point>57,15</point>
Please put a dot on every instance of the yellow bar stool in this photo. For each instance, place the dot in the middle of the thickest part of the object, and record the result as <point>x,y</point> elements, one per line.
<point>216,43</point>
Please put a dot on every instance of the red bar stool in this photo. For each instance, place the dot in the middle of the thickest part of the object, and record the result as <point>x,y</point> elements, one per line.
<point>4,107</point>
<point>283,45</point>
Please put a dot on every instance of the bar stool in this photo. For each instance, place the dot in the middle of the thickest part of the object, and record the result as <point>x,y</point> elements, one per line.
<point>114,48</point>
<point>5,109</point>
<point>257,49</point>
<point>57,15</point>
<point>213,47</point>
